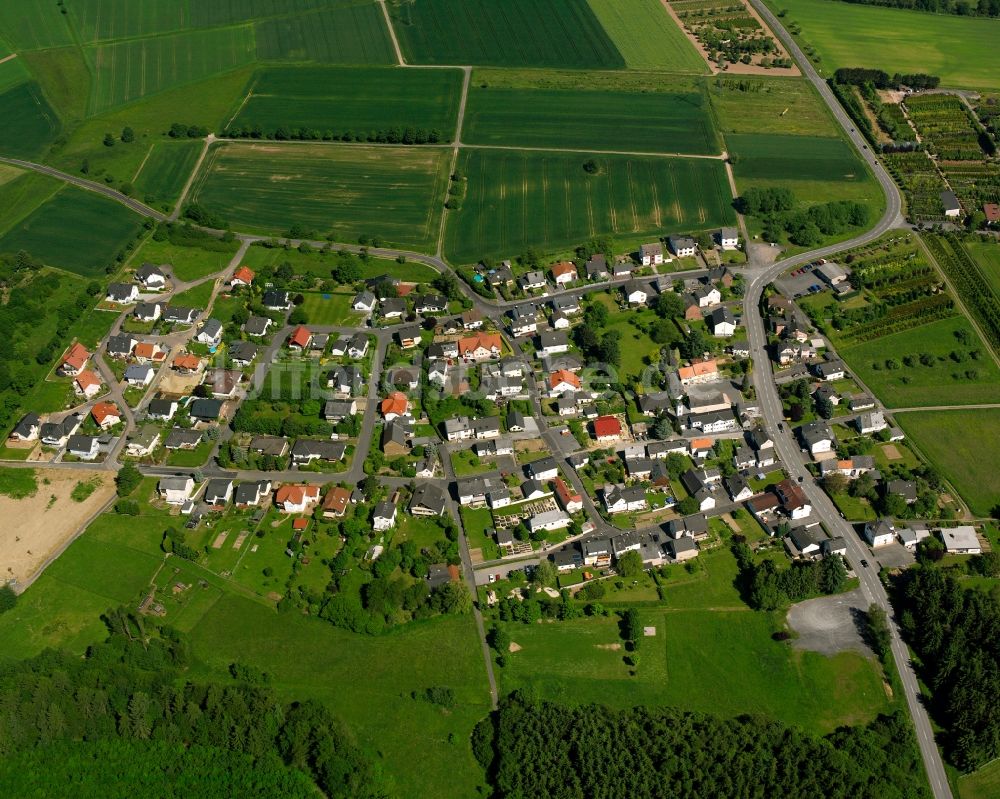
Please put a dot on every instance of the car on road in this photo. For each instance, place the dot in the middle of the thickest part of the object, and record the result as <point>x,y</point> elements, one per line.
<point>801,478</point>
<point>781,427</point>
<point>864,563</point>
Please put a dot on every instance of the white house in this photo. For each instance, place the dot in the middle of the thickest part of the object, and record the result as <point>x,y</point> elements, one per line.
<point>151,276</point>
<point>210,333</point>
<point>728,238</point>
<point>176,490</point>
<point>651,254</point>
<point>636,293</point>
<point>682,246</point>
<point>139,375</point>
<point>880,533</point>
<point>961,541</point>
<point>122,293</point>
<point>952,208</point>
<point>548,521</point>
<point>384,517</point>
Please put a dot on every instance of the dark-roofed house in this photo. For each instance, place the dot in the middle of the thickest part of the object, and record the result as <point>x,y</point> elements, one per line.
<point>181,438</point>
<point>242,353</point>
<point>120,346</point>
<point>205,410</point>
<point>151,276</point>
<point>952,207</point>
<point>218,491</point>
<point>122,293</point>
<point>257,326</point>
<point>250,493</point>
<point>26,429</point>
<point>428,500</point>
<point>306,451</point>
<point>276,300</point>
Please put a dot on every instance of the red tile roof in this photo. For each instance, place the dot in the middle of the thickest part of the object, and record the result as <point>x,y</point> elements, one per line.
<point>563,268</point>
<point>563,376</point>
<point>191,362</point>
<point>300,337</point>
<point>395,403</point>
<point>295,494</point>
<point>565,493</point>
<point>698,369</point>
<point>102,410</point>
<point>76,356</point>
<point>606,426</point>
<point>244,273</point>
<point>86,379</point>
<point>992,211</point>
<point>488,341</point>
<point>336,499</point>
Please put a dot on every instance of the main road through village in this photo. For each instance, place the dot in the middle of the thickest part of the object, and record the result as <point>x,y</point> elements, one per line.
<point>793,458</point>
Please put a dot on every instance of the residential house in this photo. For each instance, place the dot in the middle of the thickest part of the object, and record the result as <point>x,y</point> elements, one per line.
<point>106,414</point>
<point>699,372</point>
<point>722,322</point>
<point>682,246</point>
<point>567,558</point>
<point>714,422</point>
<point>543,469</point>
<point>707,296</point>
<point>257,326</point>
<point>405,379</point>
<point>87,384</point>
<point>176,490</point>
<point>307,451</point>
<point>805,542</point>
<point>186,364</point>
<point>607,428</point>
<point>396,437</point>
<point>150,276</point>
<point>430,304</point>
<point>243,276</point>
<point>437,371</point>
<point>408,336</point>
<point>564,273</point>
<point>701,448</point>
<point>832,369</point>
<point>26,429</point>
<point>296,498</point>
<point>907,489</point>
<point>639,468</point>
<point>597,552</point>
<point>597,267</point>
<point>870,422</point>
<point>205,410</point>
<point>300,338</point>
<point>55,434</point>
<point>179,315</point>
<point>120,346</point>
<point>161,409</point>
<point>392,308</point>
<point>553,342</point>
<point>651,254</point>
<point>344,380</point>
<point>338,410</point>
<point>636,292</point>
<point>834,546</point>
<point>562,382</point>
<point>396,404</point>
<point>86,448</point>
<point>862,402</point>
<point>568,497</point>
<point>274,446</point>
<point>223,383</point>
<point>567,304</point>
<point>532,281</point>
<point>122,293</point>
<point>523,320</point>
<point>630,541</point>
<point>147,311</point>
<point>619,499</point>
<point>952,207</point>
<point>817,437</point>
<point>852,467</point>
<point>357,346</point>
<point>181,438</point>
<point>480,347</point>
<point>242,353</point>
<point>384,516</point>
<point>728,238</point>
<point>143,442</point>
<point>559,321</point>
<point>149,352</point>
<point>737,488</point>
<point>74,361</point>
<point>793,499</point>
<point>218,492</point>
<point>622,268</point>
<point>364,302</point>
<point>533,489</point>
<point>210,334</point>
<point>549,521</point>
<point>335,502</point>
<point>276,300</point>
<point>880,533</point>
<point>961,541</point>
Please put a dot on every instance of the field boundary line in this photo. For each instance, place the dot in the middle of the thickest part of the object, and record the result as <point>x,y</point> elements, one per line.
<point>633,153</point>
<point>190,181</point>
<point>8,58</point>
<point>980,406</point>
<point>149,152</point>
<point>236,113</point>
<point>392,34</point>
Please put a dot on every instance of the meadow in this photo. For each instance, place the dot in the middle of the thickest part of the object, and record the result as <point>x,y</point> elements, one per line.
<point>921,385</point>
<point>189,263</point>
<point>34,24</point>
<point>986,253</point>
<point>347,190</point>
<point>29,123</point>
<point>759,104</point>
<point>577,118</point>
<point>340,99</point>
<point>320,264</point>
<point>76,230</point>
<point>646,35</point>
<point>129,70</point>
<point>165,170</point>
<point>981,784</point>
<point>960,443</point>
<point>547,201</point>
<point>961,50</point>
<point>515,33</point>
<point>356,34</point>
<point>22,192</point>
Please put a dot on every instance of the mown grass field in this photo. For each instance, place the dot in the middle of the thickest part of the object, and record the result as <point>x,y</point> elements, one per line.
<point>961,50</point>
<point>944,383</point>
<point>573,117</point>
<point>320,264</point>
<point>189,263</point>
<point>517,200</point>
<point>962,444</point>
<point>330,309</point>
<point>356,34</point>
<point>514,33</point>
<point>357,99</point>
<point>986,253</point>
<point>349,191</point>
<point>646,35</point>
<point>982,784</point>
<point>29,123</point>
<point>760,104</point>
<point>75,230</point>
<point>167,167</point>
<point>135,68</point>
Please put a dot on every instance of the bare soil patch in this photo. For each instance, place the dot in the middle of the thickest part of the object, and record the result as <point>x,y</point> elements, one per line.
<point>39,527</point>
<point>514,647</point>
<point>609,647</point>
<point>892,452</point>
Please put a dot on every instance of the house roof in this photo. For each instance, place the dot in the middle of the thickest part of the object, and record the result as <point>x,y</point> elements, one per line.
<point>992,212</point>
<point>244,273</point>
<point>565,493</point>
<point>103,410</point>
<point>189,361</point>
<point>205,409</point>
<point>430,497</point>
<point>148,270</point>
<point>607,426</point>
<point>295,494</point>
<point>698,369</point>
<point>257,325</point>
<point>300,337</point>
<point>488,341</point>
<point>701,443</point>
<point>560,376</point>
<point>148,349</point>
<point>564,268</point>
<point>336,499</point>
<point>395,403</point>
<point>243,351</point>
<point>179,436</point>
<point>86,379</point>
<point>76,356</point>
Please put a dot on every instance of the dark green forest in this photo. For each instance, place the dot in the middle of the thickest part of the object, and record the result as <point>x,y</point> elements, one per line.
<point>539,749</point>
<point>128,701</point>
<point>955,631</point>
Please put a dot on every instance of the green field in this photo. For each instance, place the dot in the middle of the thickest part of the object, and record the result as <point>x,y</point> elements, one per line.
<point>227,12</point>
<point>12,72</point>
<point>330,309</point>
<point>23,194</point>
<point>646,36</point>
<point>393,193</point>
<point>99,20</point>
<point>195,297</point>
<point>319,264</point>
<point>33,24</point>
<point>29,123</point>
<point>340,99</point>
<point>962,445</point>
<point>522,33</point>
<point>162,176</point>
<point>693,663</point>
<point>564,114</point>
<point>759,104</point>
<point>986,253</point>
<point>982,784</point>
<point>917,386</point>
<point>961,50</point>
<point>189,263</point>
<point>135,68</point>
<point>518,200</point>
<point>353,35</point>
<point>75,230</point>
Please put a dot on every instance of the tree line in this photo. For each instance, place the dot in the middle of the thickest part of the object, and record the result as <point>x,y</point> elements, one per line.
<point>129,699</point>
<point>393,135</point>
<point>537,748</point>
<point>880,79</point>
<point>766,587</point>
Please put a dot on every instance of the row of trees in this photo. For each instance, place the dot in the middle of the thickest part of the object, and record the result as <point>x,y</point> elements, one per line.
<point>393,135</point>
<point>880,79</point>
<point>535,748</point>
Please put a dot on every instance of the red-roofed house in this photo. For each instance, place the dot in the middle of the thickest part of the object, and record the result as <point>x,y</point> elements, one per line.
<point>568,498</point>
<point>394,405</point>
<point>242,277</point>
<point>300,338</point>
<point>480,347</point>
<point>992,211</point>
<point>698,372</point>
<point>335,502</point>
<point>74,360</point>
<point>564,272</point>
<point>607,428</point>
<point>296,498</point>
<point>186,364</point>
<point>563,381</point>
<point>87,384</point>
<point>701,447</point>
<point>106,414</point>
<point>300,524</point>
<point>148,351</point>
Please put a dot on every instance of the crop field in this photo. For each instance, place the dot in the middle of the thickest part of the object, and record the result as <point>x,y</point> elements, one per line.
<point>961,50</point>
<point>752,104</point>
<point>128,70</point>
<point>29,123</point>
<point>356,34</point>
<point>33,25</point>
<point>340,100</point>
<point>521,33</point>
<point>162,176</point>
<point>794,158</point>
<point>518,200</point>
<point>320,265</point>
<point>22,195</point>
<point>12,72</point>
<point>647,36</point>
<point>986,253</point>
<point>228,12</point>
<point>730,36</point>
<point>393,193</point>
<point>100,20</point>
<point>971,283</point>
<point>76,230</point>
<point>959,443</point>
<point>577,119</point>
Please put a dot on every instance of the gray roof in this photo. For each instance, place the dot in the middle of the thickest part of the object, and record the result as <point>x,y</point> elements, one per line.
<point>178,313</point>
<point>80,443</point>
<point>175,482</point>
<point>120,343</point>
<point>179,436</point>
<point>138,371</point>
<point>205,409</point>
<point>120,291</point>
<point>325,450</point>
<point>257,325</point>
<point>247,492</point>
<point>218,488</point>
<point>211,328</point>
<point>28,421</point>
<point>243,351</point>
<point>429,497</point>
<point>147,270</point>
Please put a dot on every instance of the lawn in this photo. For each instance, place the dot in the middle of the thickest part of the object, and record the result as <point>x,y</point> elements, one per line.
<point>561,111</point>
<point>29,125</point>
<point>514,33</point>
<point>647,36</point>
<point>162,176</point>
<point>944,383</point>
<point>960,50</point>
<point>17,483</point>
<point>763,105</point>
<point>339,100</point>
<point>636,345</point>
<point>466,463</point>
<point>547,201</point>
<point>721,662</point>
<point>189,263</point>
<point>962,445</point>
<point>356,34</point>
<point>76,230</point>
<point>982,784</point>
<point>393,193</point>
<point>196,297</point>
<point>131,69</point>
<point>330,309</point>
